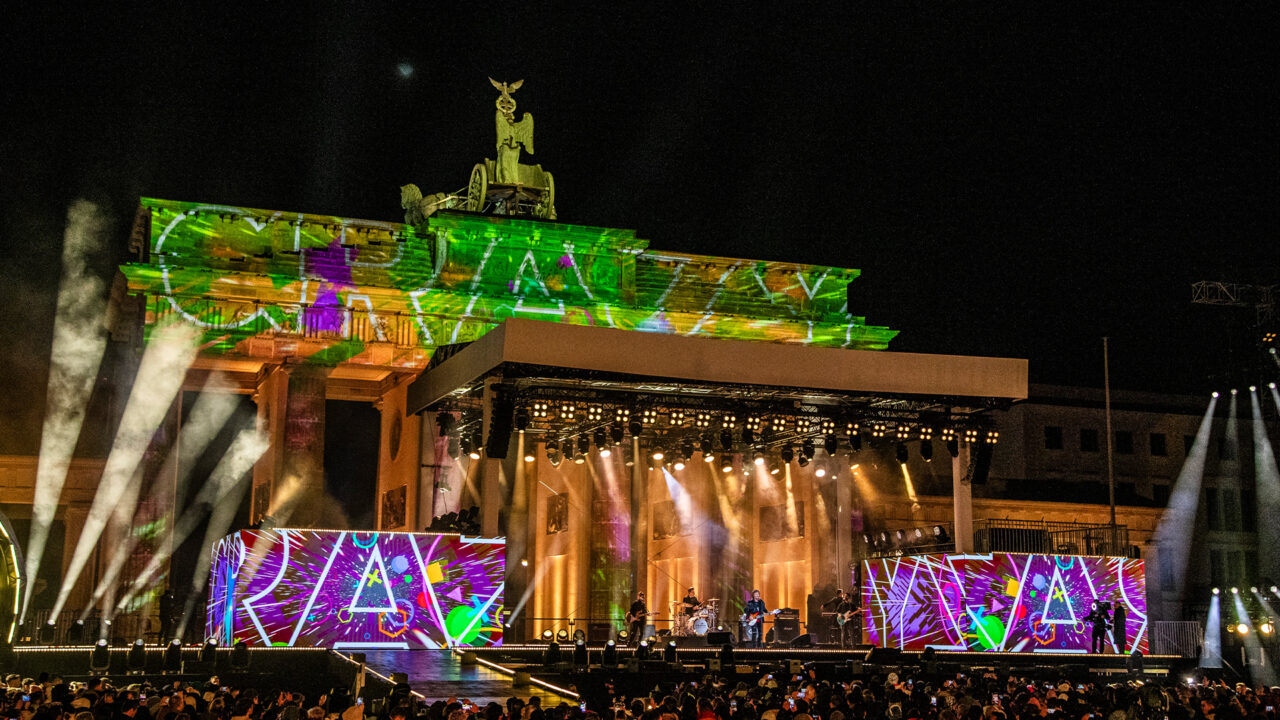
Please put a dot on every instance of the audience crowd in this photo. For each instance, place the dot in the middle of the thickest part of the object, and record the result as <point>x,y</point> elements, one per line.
<point>978,696</point>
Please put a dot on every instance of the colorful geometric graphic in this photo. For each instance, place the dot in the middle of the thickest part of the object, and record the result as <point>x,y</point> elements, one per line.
<point>261,283</point>
<point>1001,602</point>
<point>336,589</point>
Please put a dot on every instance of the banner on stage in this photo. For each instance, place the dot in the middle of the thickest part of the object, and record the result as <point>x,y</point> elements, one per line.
<point>1002,602</point>
<point>356,590</point>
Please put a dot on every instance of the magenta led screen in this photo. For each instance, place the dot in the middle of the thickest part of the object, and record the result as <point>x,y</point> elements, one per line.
<point>1001,602</point>
<point>344,589</point>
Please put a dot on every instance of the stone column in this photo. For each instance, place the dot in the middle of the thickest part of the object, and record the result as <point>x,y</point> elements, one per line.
<point>291,474</point>
<point>962,499</point>
<point>398,463</point>
<point>639,521</point>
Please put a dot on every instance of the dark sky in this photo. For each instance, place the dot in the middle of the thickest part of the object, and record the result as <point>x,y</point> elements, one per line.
<point>1014,178</point>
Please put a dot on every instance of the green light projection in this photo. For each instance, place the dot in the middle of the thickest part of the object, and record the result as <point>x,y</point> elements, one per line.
<point>269,284</point>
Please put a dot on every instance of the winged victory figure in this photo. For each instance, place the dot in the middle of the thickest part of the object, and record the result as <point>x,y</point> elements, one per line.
<point>511,134</point>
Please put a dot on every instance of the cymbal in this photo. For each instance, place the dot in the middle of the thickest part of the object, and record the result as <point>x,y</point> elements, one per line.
<point>711,600</point>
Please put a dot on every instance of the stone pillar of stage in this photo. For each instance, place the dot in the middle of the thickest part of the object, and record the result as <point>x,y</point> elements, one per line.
<point>962,499</point>
<point>492,480</point>
<point>639,521</point>
<point>288,480</point>
<point>398,463</point>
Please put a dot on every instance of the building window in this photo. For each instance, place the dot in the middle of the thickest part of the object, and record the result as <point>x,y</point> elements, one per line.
<point>1248,517</point>
<point>1217,568</point>
<point>1212,508</point>
<point>1230,509</point>
<point>1124,442</point>
<point>1088,440</point>
<point>1226,448</point>
<point>1158,446</point>
<point>1052,437</point>
<point>1160,493</point>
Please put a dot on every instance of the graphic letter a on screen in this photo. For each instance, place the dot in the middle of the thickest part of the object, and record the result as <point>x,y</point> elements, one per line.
<point>373,593</point>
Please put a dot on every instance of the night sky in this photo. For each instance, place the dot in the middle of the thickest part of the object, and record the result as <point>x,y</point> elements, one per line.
<point>1014,179</point>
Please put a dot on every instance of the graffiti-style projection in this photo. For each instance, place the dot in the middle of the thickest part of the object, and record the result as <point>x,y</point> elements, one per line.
<point>336,290</point>
<point>328,588</point>
<point>1001,602</point>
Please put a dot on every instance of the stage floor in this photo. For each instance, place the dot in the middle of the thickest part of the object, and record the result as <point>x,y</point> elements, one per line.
<point>440,675</point>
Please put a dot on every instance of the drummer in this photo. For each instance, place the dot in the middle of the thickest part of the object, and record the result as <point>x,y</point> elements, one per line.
<point>690,602</point>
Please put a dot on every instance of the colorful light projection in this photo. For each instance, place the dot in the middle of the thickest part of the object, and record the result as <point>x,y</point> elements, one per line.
<point>1001,602</point>
<point>263,283</point>
<point>342,589</point>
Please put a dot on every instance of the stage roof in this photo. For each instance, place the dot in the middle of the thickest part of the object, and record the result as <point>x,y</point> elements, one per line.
<point>531,354</point>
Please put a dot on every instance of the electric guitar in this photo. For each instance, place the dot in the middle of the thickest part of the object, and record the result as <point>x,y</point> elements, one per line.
<point>639,616</point>
<point>842,618</point>
<point>753,619</point>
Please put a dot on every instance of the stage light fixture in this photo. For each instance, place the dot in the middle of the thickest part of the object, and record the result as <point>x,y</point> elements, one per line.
<point>757,457</point>
<point>75,633</point>
<point>802,461</point>
<point>136,660</point>
<point>706,444</point>
<point>562,635</point>
<point>748,435</point>
<point>901,452</point>
<point>522,420</point>
<point>580,653</point>
<point>579,459</point>
<point>708,458</point>
<point>820,472</point>
<point>1235,591</point>
<point>642,651</point>
<point>601,439</point>
<point>610,657</point>
<point>953,447</point>
<point>528,457</point>
<point>1242,629</point>
<point>623,636</point>
<point>1215,394</point>
<point>787,453</point>
<point>209,652</point>
<point>1274,590</point>
<point>465,446</point>
<point>1215,591</point>
<point>658,454</point>
<point>173,656</point>
<point>1234,391</point>
<point>926,450</point>
<point>775,470</point>
<point>855,442</point>
<point>635,428</point>
<point>679,464</point>
<point>46,634</point>
<point>584,446</point>
<point>686,448</point>
<point>548,635</point>
<point>726,440</point>
<point>726,468</point>
<point>830,443</point>
<point>1266,628</point>
<point>100,657</point>
<point>669,654</point>
<point>606,451</point>
<point>807,450</point>
<point>524,562</point>
<point>616,433</point>
<point>1253,388</point>
<point>1253,590</point>
<point>240,655</point>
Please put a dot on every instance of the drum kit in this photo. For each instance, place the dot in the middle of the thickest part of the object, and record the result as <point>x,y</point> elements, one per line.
<point>698,621</point>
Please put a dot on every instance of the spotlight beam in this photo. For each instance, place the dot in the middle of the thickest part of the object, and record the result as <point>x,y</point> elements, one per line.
<point>79,340</point>
<point>243,453</point>
<point>1211,657</point>
<point>1267,481</point>
<point>164,364</point>
<point>1184,500</point>
<point>233,476</point>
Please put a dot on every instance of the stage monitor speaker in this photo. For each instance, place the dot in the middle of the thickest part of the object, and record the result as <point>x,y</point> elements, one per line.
<point>786,630</point>
<point>599,632</point>
<point>803,640</point>
<point>713,665</point>
<point>795,667</point>
<point>885,656</point>
<point>717,638</point>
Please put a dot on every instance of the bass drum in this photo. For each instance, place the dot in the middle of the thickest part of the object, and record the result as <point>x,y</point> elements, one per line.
<point>700,626</point>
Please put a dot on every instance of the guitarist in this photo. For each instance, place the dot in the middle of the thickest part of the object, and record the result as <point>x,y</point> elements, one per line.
<point>637,618</point>
<point>755,612</point>
<point>845,612</point>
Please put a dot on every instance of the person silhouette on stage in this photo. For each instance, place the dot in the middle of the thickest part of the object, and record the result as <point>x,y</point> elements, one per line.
<point>1099,618</point>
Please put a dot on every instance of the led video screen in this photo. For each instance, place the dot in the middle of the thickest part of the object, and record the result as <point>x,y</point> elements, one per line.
<point>1002,602</point>
<point>353,590</point>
